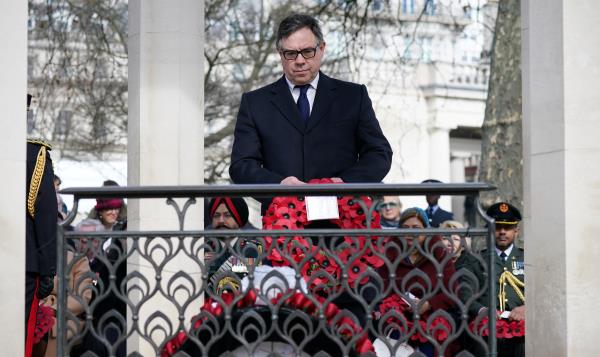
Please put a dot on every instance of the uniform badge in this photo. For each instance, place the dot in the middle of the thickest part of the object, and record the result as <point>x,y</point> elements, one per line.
<point>518,268</point>
<point>503,208</point>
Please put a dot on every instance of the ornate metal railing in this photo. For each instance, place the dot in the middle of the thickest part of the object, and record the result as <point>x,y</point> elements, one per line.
<point>326,289</point>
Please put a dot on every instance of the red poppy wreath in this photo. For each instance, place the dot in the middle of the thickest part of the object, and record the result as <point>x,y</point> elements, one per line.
<point>439,328</point>
<point>504,328</point>
<point>344,326</point>
<point>357,253</point>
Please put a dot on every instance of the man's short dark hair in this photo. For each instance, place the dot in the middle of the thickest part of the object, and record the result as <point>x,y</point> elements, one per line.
<point>295,22</point>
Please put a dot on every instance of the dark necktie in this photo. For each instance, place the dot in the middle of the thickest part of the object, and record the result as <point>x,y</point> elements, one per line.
<point>430,212</point>
<point>303,105</point>
<point>503,257</point>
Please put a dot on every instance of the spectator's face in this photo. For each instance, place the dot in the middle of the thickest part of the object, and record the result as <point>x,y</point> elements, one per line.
<point>56,185</point>
<point>390,209</point>
<point>432,200</point>
<point>223,219</point>
<point>413,222</point>
<point>109,216</point>
<point>505,235</point>
<point>453,244</point>
<point>301,70</point>
<point>82,244</point>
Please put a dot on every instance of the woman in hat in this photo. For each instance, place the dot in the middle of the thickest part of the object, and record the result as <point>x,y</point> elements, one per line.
<point>108,212</point>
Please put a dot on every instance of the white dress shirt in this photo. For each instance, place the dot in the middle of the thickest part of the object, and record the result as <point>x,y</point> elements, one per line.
<point>507,251</point>
<point>310,93</point>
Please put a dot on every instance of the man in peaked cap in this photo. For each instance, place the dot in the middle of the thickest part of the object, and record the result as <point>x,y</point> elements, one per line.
<point>510,275</point>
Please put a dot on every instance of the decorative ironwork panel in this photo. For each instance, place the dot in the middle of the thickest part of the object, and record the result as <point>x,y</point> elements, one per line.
<point>337,287</point>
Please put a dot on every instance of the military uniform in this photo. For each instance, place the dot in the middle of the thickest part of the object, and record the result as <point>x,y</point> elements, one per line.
<point>41,224</point>
<point>509,279</point>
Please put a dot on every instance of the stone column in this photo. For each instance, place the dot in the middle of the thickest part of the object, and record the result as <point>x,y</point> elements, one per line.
<point>457,175</point>
<point>165,133</point>
<point>561,53</point>
<point>439,159</point>
<point>13,90</point>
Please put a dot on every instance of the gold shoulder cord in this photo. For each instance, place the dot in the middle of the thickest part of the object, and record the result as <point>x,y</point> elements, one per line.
<point>515,283</point>
<point>228,282</point>
<point>36,180</point>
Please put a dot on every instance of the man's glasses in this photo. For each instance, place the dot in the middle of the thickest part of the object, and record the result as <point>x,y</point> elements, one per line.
<point>305,52</point>
<point>388,205</point>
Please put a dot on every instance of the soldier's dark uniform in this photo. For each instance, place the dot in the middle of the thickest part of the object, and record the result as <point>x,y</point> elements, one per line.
<point>513,268</point>
<point>41,220</point>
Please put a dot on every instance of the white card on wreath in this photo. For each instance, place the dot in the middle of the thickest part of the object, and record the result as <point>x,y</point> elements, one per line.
<point>322,207</point>
<point>505,314</point>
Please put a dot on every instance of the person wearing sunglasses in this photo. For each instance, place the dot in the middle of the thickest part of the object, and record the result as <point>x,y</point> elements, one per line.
<point>390,209</point>
<point>307,125</point>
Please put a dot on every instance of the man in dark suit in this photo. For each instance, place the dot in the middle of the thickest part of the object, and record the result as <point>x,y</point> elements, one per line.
<point>435,213</point>
<point>307,125</point>
<point>40,243</point>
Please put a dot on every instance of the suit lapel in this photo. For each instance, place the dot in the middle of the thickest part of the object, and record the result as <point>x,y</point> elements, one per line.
<point>323,101</point>
<point>283,100</point>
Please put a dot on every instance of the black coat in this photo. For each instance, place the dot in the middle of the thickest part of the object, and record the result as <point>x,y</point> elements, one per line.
<point>439,217</point>
<point>342,137</point>
<point>41,226</point>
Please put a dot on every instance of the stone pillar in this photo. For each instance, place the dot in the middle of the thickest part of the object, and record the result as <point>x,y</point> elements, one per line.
<point>457,175</point>
<point>165,133</point>
<point>13,90</point>
<point>561,52</point>
<point>439,159</point>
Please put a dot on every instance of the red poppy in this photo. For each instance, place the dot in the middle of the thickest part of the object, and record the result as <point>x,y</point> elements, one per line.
<point>372,259</point>
<point>440,329</point>
<point>502,330</point>
<point>518,328</point>
<point>355,270</point>
<point>364,345</point>
<point>174,344</point>
<point>418,335</point>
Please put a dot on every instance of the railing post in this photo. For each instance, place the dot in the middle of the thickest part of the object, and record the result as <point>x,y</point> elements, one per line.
<point>491,279</point>
<point>60,274</point>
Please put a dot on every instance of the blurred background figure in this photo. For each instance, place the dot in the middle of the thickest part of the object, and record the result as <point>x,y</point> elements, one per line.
<point>435,213</point>
<point>454,242</point>
<point>62,206</point>
<point>80,294</point>
<point>427,255</point>
<point>105,254</point>
<point>122,217</point>
<point>390,209</point>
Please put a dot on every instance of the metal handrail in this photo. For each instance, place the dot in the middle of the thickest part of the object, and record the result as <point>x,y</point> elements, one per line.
<point>270,190</point>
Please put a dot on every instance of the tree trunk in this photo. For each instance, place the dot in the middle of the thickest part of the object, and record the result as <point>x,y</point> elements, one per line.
<point>501,144</point>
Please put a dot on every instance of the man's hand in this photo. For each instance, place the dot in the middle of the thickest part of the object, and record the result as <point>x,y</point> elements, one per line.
<point>46,286</point>
<point>426,306</point>
<point>518,313</point>
<point>337,180</point>
<point>292,180</point>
